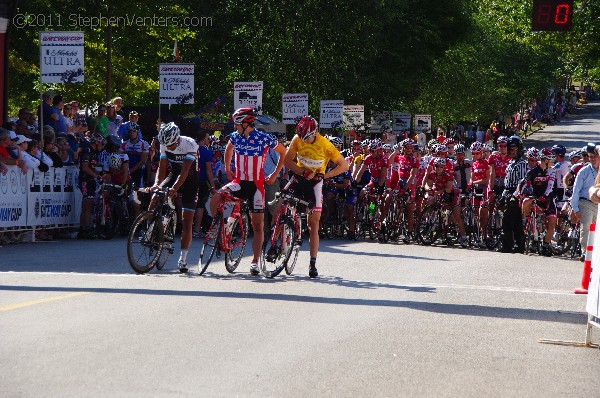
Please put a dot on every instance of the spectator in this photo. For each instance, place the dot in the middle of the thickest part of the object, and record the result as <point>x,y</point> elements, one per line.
<point>118,102</point>
<point>67,114</point>
<point>114,120</point>
<point>480,135</point>
<point>22,129</point>
<point>6,141</point>
<point>206,181</point>
<point>79,122</point>
<point>584,210</point>
<point>30,161</point>
<point>67,156</point>
<point>61,123</point>
<point>101,125</point>
<point>33,149</point>
<point>46,113</point>
<point>123,130</point>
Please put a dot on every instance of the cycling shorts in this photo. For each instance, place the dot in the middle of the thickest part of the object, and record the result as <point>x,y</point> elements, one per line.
<point>203,193</point>
<point>308,190</point>
<point>87,188</point>
<point>188,191</point>
<point>379,189</point>
<point>249,191</point>
<point>481,200</point>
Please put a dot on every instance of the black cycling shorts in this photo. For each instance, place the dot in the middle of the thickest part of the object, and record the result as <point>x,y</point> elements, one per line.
<point>188,191</point>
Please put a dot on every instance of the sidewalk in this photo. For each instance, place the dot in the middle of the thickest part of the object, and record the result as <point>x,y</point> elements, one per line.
<point>574,132</point>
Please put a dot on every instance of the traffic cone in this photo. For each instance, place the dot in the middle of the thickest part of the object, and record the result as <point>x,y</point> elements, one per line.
<point>587,263</point>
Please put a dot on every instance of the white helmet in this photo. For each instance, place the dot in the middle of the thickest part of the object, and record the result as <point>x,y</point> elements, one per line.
<point>115,161</point>
<point>168,134</point>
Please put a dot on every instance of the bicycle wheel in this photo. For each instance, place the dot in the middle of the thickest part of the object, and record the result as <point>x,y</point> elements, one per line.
<point>283,238</point>
<point>560,240</point>
<point>428,226</point>
<point>291,263</point>
<point>211,243</point>
<point>493,230</point>
<point>145,243</point>
<point>167,246</point>
<point>237,242</point>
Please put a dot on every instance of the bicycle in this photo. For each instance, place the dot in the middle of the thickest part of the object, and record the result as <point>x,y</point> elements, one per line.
<point>493,229</point>
<point>397,221</point>
<point>154,232</point>
<point>534,229</point>
<point>110,210</point>
<point>226,234</point>
<point>434,223</point>
<point>286,237</point>
<point>368,223</point>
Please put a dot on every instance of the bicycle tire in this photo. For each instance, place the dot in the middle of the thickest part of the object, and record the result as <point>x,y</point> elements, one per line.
<point>237,240</point>
<point>285,240</point>
<point>211,243</point>
<point>166,251</point>
<point>493,230</point>
<point>291,263</point>
<point>562,243</point>
<point>428,225</point>
<point>151,237</point>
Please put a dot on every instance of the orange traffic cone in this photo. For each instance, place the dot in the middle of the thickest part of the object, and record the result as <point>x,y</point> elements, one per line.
<point>587,264</point>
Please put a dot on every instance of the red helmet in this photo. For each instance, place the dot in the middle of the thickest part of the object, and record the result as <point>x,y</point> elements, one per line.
<point>307,128</point>
<point>244,115</point>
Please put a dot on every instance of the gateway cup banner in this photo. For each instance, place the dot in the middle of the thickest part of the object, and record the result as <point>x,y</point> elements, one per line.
<point>53,198</point>
<point>13,197</point>
<point>61,57</point>
<point>294,107</point>
<point>247,94</point>
<point>332,113</point>
<point>176,83</point>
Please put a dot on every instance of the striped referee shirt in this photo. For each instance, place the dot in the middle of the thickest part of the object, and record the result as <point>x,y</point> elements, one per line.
<point>515,172</point>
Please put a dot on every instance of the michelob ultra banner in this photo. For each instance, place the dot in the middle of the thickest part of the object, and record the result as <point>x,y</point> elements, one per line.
<point>248,94</point>
<point>380,122</point>
<point>294,107</point>
<point>61,57</point>
<point>354,117</point>
<point>13,198</point>
<point>176,83</point>
<point>422,122</point>
<point>332,113</point>
<point>401,122</point>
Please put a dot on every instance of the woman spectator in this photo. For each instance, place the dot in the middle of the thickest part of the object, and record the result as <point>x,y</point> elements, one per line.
<point>67,114</point>
<point>64,152</point>
<point>30,161</point>
<point>114,120</point>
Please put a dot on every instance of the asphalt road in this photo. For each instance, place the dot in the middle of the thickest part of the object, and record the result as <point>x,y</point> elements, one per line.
<point>381,320</point>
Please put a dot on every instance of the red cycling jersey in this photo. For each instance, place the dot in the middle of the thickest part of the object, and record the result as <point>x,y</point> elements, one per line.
<point>375,165</point>
<point>499,162</point>
<point>439,181</point>
<point>479,169</point>
<point>407,163</point>
<point>449,165</point>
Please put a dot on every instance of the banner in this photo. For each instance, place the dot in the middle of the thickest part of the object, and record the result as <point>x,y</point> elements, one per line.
<point>380,122</point>
<point>593,298</point>
<point>354,117</point>
<point>332,112</point>
<point>176,83</point>
<point>247,94</point>
<point>401,122</point>
<point>52,197</point>
<point>61,57</point>
<point>13,197</point>
<point>294,107</point>
<point>422,122</point>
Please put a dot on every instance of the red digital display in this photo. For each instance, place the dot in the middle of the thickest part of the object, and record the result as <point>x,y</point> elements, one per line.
<point>552,15</point>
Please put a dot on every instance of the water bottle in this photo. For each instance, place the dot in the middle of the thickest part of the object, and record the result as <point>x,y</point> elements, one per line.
<point>229,225</point>
<point>371,209</point>
<point>165,222</point>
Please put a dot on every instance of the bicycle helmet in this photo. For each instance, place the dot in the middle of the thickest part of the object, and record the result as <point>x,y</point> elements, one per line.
<point>575,154</point>
<point>417,148</point>
<point>432,143</point>
<point>476,147</point>
<point>97,137</point>
<point>113,143</point>
<point>533,153</point>
<point>307,128</point>
<point>559,150</point>
<point>356,143</point>
<point>375,145</point>
<point>439,162</point>
<point>396,147</point>
<point>547,153</point>
<point>168,134</point>
<point>115,161</point>
<point>132,126</point>
<point>460,148</point>
<point>450,141</point>
<point>406,142</point>
<point>590,148</point>
<point>515,140</point>
<point>441,148</point>
<point>337,142</point>
<point>244,115</point>
<point>502,140</point>
<point>387,147</point>
<point>487,148</point>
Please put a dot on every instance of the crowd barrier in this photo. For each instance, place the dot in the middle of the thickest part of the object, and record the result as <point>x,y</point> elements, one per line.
<point>39,200</point>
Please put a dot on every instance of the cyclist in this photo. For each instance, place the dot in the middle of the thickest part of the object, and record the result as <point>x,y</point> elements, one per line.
<point>480,178</point>
<point>181,153</point>
<point>250,147</point>
<point>137,150</point>
<point>441,181</point>
<point>533,158</point>
<point>576,159</point>
<point>451,145</point>
<point>462,169</point>
<point>406,175</point>
<point>498,162</point>
<point>487,151</point>
<point>561,169</point>
<point>341,186</point>
<point>116,167</point>
<point>90,170</point>
<point>312,153</point>
<point>541,178</point>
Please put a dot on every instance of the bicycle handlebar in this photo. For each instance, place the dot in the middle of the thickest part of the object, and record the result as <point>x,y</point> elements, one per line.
<point>158,191</point>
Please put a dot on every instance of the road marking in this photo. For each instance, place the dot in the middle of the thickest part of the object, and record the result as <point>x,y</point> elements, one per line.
<point>41,301</point>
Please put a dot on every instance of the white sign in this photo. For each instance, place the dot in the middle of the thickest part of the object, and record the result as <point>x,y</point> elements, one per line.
<point>401,122</point>
<point>422,122</point>
<point>61,57</point>
<point>332,112</point>
<point>380,122</point>
<point>53,198</point>
<point>294,107</point>
<point>354,117</point>
<point>593,298</point>
<point>176,83</point>
<point>247,94</point>
<point>13,197</point>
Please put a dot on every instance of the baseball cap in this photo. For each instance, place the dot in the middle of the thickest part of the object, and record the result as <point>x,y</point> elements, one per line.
<point>21,139</point>
<point>13,135</point>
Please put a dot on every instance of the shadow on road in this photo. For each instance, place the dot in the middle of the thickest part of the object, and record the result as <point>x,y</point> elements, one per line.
<point>439,308</point>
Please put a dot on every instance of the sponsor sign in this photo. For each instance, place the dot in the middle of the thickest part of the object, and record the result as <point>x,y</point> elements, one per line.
<point>422,122</point>
<point>402,122</point>
<point>380,122</point>
<point>176,83</point>
<point>294,107</point>
<point>247,94</point>
<point>332,113</point>
<point>354,117</point>
<point>61,57</point>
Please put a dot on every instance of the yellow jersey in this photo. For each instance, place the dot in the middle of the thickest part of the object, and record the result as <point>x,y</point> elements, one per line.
<point>315,156</point>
